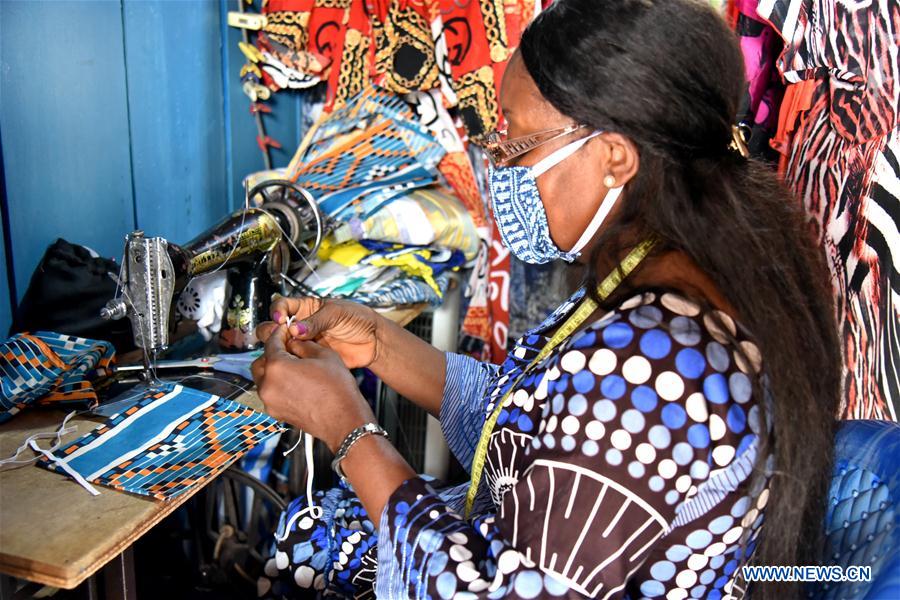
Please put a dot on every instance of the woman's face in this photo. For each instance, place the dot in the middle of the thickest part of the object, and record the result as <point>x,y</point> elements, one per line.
<point>572,190</point>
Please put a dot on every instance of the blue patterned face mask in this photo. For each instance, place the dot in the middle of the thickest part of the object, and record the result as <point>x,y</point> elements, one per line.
<point>520,215</point>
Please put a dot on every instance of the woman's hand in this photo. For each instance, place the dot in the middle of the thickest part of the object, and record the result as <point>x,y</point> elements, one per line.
<point>363,338</point>
<point>348,328</point>
<point>307,385</point>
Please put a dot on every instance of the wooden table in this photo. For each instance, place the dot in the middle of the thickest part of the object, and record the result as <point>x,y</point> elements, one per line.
<point>53,532</point>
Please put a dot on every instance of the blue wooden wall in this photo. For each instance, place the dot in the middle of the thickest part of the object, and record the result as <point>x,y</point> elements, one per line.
<point>122,114</point>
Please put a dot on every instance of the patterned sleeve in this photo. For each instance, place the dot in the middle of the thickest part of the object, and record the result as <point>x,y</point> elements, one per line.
<point>462,416</point>
<point>623,440</point>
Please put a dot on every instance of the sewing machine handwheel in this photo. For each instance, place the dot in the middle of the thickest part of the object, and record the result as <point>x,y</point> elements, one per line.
<point>296,211</point>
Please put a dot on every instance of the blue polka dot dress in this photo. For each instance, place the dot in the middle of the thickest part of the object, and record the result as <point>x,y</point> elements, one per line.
<point>620,468</point>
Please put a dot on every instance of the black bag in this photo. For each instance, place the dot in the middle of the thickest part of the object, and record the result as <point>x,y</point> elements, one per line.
<point>66,293</point>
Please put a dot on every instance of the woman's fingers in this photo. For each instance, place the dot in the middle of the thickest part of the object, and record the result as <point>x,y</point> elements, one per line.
<point>275,348</point>
<point>284,308</point>
<point>308,349</point>
<point>317,323</point>
<point>264,330</point>
<point>258,369</point>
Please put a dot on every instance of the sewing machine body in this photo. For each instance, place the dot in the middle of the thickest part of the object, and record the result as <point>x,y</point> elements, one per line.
<point>256,246</point>
<point>155,271</point>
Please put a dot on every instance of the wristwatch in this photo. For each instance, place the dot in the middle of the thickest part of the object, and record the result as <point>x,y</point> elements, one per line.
<point>353,437</point>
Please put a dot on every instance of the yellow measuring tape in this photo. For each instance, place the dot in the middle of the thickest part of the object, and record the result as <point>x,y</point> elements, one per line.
<point>585,309</point>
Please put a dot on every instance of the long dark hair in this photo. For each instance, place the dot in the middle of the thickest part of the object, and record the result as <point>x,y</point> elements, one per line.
<point>668,74</point>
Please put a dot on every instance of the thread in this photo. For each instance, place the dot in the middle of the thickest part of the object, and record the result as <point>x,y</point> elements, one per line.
<point>237,241</point>
<point>290,242</point>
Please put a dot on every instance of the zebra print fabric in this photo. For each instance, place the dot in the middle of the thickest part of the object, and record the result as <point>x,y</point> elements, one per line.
<point>844,165</point>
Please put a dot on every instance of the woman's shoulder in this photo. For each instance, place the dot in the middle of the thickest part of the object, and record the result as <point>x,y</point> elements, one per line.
<point>662,358</point>
<point>665,326</point>
<point>660,389</point>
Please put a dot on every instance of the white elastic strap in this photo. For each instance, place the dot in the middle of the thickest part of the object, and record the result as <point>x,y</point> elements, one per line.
<point>311,509</point>
<point>548,162</point>
<point>69,470</point>
<point>602,212</point>
<point>62,430</point>
<point>308,442</point>
<point>294,447</point>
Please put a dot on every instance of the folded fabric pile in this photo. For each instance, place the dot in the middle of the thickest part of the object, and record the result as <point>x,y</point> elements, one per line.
<point>431,216</point>
<point>384,274</point>
<point>50,369</point>
<point>398,225</point>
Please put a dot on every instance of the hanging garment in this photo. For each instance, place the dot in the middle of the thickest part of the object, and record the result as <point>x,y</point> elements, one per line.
<point>455,166</point>
<point>844,166</point>
<point>50,369</point>
<point>760,45</point>
<point>330,40</point>
<point>170,440</point>
<point>403,46</point>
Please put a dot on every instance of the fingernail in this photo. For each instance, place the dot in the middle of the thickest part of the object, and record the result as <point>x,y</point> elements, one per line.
<point>302,329</point>
<point>277,316</point>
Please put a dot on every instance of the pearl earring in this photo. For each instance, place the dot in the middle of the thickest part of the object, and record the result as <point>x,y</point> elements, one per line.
<point>609,181</point>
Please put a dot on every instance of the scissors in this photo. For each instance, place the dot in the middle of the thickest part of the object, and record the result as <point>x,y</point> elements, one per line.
<point>237,364</point>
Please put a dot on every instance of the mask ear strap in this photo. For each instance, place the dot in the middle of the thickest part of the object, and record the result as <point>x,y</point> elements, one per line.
<point>602,212</point>
<point>548,162</point>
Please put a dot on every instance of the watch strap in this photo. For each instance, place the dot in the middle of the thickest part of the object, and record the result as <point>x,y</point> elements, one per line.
<point>353,437</point>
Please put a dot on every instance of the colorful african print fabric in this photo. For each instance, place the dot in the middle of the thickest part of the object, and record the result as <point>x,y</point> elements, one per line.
<point>384,274</point>
<point>360,157</point>
<point>843,162</point>
<point>50,369</point>
<point>429,216</point>
<point>170,440</point>
<point>458,48</point>
<point>622,467</point>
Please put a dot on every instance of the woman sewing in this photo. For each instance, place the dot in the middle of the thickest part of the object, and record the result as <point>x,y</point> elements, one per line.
<point>666,425</point>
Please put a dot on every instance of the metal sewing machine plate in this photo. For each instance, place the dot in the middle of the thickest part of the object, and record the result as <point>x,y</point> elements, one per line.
<point>148,287</point>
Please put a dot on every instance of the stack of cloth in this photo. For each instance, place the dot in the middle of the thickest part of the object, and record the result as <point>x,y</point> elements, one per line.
<point>163,443</point>
<point>398,227</point>
<point>382,274</point>
<point>50,369</point>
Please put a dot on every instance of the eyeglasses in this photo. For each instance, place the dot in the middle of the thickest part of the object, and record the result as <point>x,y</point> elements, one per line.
<point>501,150</point>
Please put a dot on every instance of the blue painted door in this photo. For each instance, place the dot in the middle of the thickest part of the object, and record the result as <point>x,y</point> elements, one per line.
<point>116,115</point>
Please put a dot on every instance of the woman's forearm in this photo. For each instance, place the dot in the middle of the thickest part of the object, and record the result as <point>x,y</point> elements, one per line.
<point>375,470</point>
<point>411,366</point>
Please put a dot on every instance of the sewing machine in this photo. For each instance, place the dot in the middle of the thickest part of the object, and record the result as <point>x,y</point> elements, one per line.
<point>256,245</point>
